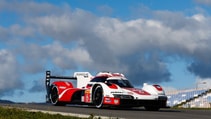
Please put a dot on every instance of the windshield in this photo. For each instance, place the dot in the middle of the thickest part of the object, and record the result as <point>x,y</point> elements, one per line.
<point>121,83</point>
<point>99,79</point>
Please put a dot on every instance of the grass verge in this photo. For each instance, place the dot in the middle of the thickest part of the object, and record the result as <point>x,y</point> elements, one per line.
<point>14,113</point>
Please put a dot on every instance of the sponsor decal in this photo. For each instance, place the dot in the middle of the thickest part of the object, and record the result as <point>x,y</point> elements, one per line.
<point>116,101</point>
<point>62,87</point>
<point>82,74</point>
<point>87,97</point>
<point>111,101</point>
<point>114,92</point>
<point>107,100</point>
<point>87,91</point>
<point>137,91</point>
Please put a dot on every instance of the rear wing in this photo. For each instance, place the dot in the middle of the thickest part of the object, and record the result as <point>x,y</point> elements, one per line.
<point>48,78</point>
<point>82,79</point>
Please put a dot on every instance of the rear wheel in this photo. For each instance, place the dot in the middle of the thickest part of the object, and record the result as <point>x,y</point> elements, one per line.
<point>98,96</point>
<point>54,97</point>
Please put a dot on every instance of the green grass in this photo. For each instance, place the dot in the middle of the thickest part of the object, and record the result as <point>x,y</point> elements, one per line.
<point>14,113</point>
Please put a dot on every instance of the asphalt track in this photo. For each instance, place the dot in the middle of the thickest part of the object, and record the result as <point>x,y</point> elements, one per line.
<point>133,113</point>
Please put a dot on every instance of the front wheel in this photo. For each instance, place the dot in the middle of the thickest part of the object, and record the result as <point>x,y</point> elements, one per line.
<point>98,96</point>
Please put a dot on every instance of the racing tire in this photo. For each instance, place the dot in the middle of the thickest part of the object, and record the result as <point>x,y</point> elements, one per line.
<point>54,97</point>
<point>98,96</point>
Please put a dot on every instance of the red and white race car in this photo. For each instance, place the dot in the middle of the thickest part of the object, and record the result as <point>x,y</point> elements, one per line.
<point>106,89</point>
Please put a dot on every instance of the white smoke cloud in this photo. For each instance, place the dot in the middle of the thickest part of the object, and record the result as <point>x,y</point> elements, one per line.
<point>139,48</point>
<point>203,2</point>
<point>9,73</point>
<point>37,57</point>
<point>203,83</point>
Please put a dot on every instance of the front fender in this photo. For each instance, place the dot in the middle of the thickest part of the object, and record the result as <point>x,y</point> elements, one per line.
<point>108,89</point>
<point>153,89</point>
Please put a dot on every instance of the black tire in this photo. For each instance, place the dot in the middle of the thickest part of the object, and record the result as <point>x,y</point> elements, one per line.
<point>98,96</point>
<point>54,96</point>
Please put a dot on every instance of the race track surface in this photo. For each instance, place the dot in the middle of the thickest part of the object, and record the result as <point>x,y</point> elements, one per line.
<point>134,113</point>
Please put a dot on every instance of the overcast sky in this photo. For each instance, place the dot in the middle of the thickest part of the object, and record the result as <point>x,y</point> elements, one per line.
<point>155,41</point>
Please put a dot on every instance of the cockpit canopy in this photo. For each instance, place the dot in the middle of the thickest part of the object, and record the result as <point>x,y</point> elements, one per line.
<point>120,81</point>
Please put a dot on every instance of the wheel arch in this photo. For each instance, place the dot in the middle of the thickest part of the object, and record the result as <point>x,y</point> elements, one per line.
<point>97,95</point>
<point>99,84</point>
<point>58,90</point>
<point>54,98</point>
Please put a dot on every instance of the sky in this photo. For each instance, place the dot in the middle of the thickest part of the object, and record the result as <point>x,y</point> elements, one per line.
<point>164,42</point>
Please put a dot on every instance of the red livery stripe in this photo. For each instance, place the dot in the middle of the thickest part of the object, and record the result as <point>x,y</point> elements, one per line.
<point>159,88</point>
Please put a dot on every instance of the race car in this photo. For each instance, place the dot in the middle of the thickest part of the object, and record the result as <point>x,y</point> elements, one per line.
<point>106,89</point>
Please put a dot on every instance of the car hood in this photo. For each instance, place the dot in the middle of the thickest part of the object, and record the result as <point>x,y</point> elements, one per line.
<point>132,91</point>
